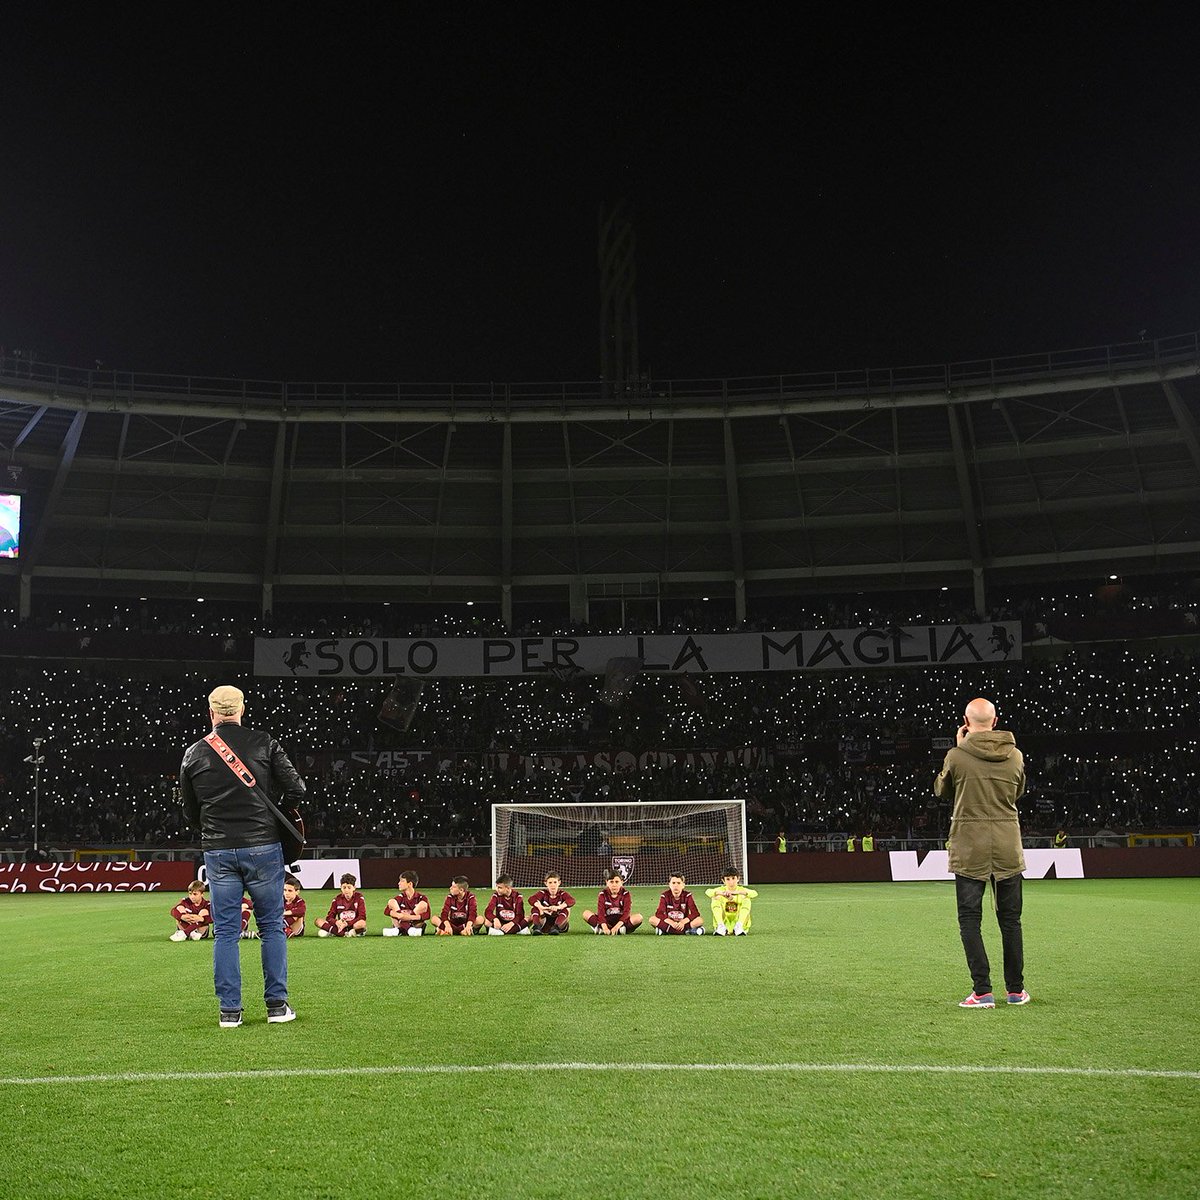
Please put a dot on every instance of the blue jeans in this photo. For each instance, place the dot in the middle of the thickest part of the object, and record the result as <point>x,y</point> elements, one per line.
<point>258,870</point>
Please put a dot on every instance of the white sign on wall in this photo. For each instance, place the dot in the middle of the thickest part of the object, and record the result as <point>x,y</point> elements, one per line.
<point>318,874</point>
<point>906,868</point>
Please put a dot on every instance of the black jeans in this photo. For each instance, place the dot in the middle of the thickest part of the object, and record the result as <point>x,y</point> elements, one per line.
<point>1008,915</point>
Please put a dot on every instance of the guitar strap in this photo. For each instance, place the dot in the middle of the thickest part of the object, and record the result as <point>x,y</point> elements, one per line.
<point>231,760</point>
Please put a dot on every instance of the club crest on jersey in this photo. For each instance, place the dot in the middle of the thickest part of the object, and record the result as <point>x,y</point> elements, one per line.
<point>623,865</point>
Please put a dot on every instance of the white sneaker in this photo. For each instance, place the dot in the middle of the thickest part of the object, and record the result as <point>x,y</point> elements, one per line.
<point>698,931</point>
<point>180,935</point>
<point>658,931</point>
<point>738,931</point>
<point>195,935</point>
<point>525,930</point>
<point>280,1014</point>
<point>720,931</point>
<point>322,933</point>
<point>621,928</point>
<point>414,932</point>
<point>495,933</point>
<point>393,932</point>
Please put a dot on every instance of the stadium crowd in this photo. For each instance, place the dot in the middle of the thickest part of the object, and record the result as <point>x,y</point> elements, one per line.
<point>1116,608</point>
<point>1110,739</point>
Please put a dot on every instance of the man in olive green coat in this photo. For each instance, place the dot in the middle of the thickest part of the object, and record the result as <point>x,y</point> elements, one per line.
<point>985,773</point>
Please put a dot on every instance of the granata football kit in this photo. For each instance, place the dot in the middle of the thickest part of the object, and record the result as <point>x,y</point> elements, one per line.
<point>506,908</point>
<point>550,922</point>
<point>406,926</point>
<point>291,914</point>
<point>349,911</point>
<point>614,910</point>
<point>202,928</point>
<point>460,911</point>
<point>676,908</point>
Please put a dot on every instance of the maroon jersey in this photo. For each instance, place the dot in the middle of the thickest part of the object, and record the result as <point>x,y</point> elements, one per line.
<point>295,911</point>
<point>681,909</point>
<point>460,910</point>
<point>544,897</point>
<point>614,910</point>
<point>410,903</point>
<point>350,911</point>
<point>186,906</point>
<point>507,908</point>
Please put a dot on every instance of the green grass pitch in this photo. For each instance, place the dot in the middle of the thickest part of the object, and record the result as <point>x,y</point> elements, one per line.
<point>833,978</point>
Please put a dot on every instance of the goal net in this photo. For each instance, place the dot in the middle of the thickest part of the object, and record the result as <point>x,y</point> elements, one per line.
<point>647,843</point>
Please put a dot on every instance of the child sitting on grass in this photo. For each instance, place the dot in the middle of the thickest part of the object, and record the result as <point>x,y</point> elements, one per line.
<point>294,908</point>
<point>505,912</point>
<point>193,916</point>
<point>613,913</point>
<point>408,909</point>
<point>731,905</point>
<point>459,912</point>
<point>347,915</point>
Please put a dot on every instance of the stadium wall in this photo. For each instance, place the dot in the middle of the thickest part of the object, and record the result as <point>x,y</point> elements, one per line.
<point>433,872</point>
<point>1143,862</point>
<point>322,874</point>
<point>71,878</point>
<point>859,867</point>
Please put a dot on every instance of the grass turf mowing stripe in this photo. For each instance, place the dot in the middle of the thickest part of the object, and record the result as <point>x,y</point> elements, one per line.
<point>510,1067</point>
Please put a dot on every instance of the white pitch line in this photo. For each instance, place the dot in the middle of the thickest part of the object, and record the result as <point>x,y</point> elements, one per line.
<point>523,1068</point>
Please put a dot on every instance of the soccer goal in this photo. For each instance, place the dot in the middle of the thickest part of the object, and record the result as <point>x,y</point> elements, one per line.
<point>647,843</point>
<point>105,854</point>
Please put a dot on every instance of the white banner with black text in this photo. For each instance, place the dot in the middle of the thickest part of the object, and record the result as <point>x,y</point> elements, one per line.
<point>565,657</point>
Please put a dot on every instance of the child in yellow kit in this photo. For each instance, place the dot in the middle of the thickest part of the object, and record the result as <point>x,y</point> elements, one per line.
<point>731,905</point>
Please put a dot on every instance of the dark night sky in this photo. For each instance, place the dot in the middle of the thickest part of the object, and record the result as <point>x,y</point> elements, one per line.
<point>410,192</point>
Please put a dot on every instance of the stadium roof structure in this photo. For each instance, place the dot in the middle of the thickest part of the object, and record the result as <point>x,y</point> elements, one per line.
<point>1063,465</point>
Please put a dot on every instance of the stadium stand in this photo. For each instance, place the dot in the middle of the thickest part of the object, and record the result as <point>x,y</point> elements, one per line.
<point>1108,734</point>
<point>169,520</point>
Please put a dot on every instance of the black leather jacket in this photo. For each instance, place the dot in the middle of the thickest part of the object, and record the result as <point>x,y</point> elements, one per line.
<point>230,815</point>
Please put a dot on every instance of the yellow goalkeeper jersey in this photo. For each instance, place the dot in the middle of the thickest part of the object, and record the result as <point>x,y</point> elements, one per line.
<point>733,903</point>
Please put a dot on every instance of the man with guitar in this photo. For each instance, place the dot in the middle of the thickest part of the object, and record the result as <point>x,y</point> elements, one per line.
<point>234,784</point>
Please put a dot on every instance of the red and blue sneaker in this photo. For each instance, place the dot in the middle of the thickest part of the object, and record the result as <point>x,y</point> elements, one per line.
<point>1018,997</point>
<point>987,1000</point>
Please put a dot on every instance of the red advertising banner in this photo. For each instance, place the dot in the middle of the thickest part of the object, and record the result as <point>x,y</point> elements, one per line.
<point>96,877</point>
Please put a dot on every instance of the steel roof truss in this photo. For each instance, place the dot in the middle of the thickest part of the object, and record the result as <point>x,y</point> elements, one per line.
<point>623,441</point>
<point>839,433</point>
<point>1070,414</point>
<point>181,438</point>
<point>394,443</point>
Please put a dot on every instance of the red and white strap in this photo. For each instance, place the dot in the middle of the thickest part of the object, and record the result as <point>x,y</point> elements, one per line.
<point>231,760</point>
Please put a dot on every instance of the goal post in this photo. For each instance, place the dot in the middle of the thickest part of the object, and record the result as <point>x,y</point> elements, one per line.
<point>647,843</point>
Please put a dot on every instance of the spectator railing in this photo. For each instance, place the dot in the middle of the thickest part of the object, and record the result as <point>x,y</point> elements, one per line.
<point>500,399</point>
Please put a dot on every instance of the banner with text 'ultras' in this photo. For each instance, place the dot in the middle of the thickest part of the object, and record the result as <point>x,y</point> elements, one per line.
<point>693,653</point>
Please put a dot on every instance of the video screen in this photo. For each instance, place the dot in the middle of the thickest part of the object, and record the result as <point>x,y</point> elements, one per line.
<point>10,525</point>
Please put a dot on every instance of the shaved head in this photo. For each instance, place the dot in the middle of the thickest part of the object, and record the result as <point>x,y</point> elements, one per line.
<point>980,714</point>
